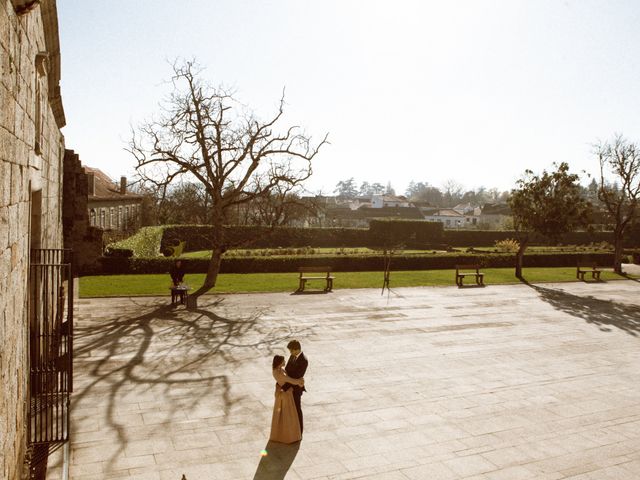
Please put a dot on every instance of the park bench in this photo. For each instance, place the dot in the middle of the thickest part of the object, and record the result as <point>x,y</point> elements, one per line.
<point>591,268</point>
<point>469,271</point>
<point>305,277</point>
<point>179,293</point>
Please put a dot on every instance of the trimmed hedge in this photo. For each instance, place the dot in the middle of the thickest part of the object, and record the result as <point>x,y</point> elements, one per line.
<point>118,252</point>
<point>381,233</point>
<point>198,237</point>
<point>123,265</point>
<point>408,233</point>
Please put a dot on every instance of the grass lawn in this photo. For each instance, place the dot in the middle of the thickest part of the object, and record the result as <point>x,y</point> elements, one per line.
<point>158,284</point>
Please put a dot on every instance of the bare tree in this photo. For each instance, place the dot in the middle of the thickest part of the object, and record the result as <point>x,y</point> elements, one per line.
<point>452,192</point>
<point>204,135</point>
<point>283,206</point>
<point>621,159</point>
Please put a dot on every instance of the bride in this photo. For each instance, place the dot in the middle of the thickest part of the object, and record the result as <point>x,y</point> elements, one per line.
<point>285,427</point>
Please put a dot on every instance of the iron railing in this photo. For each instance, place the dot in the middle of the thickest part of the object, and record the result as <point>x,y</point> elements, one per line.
<point>51,353</point>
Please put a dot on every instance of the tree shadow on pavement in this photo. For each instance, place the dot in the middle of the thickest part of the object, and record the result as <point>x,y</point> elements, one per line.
<point>177,358</point>
<point>629,277</point>
<point>603,313</point>
<point>277,462</point>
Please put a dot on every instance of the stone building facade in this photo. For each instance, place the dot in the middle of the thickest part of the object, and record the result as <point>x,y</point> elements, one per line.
<point>110,205</point>
<point>31,156</point>
<point>83,239</point>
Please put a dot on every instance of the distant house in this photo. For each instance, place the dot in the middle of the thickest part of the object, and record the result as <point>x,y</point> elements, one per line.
<point>110,206</point>
<point>382,201</point>
<point>343,216</point>
<point>493,215</point>
<point>357,212</point>
<point>467,209</point>
<point>450,218</point>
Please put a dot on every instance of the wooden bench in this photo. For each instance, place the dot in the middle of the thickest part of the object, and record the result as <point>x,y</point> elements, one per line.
<point>304,277</point>
<point>469,271</point>
<point>591,268</point>
<point>179,293</point>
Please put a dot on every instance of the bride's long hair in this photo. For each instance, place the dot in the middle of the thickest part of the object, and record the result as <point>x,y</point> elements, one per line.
<point>277,361</point>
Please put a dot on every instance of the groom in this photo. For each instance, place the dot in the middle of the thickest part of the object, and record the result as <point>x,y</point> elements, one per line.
<point>296,368</point>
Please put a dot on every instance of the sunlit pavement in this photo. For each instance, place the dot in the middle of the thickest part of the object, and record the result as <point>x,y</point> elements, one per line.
<point>502,382</point>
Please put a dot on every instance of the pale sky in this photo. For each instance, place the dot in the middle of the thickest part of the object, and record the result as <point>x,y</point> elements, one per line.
<point>421,90</point>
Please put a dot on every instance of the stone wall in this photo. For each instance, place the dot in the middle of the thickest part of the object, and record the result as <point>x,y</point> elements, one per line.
<point>31,149</point>
<point>83,239</point>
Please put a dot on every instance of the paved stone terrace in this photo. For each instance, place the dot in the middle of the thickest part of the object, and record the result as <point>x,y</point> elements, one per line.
<point>497,383</point>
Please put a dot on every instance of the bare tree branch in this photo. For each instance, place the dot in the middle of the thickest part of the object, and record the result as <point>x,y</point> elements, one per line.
<point>240,161</point>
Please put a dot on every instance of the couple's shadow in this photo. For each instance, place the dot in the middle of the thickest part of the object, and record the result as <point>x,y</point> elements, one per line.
<point>276,464</point>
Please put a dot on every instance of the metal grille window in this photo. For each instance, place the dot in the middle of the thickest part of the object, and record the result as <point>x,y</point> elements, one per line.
<point>51,352</point>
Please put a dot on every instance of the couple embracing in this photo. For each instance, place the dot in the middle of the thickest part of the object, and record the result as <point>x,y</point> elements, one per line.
<point>286,423</point>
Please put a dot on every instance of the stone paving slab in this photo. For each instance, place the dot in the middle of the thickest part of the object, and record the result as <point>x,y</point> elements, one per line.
<point>498,383</point>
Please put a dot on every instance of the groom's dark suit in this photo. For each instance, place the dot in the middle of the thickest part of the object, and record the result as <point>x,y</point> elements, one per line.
<point>296,368</point>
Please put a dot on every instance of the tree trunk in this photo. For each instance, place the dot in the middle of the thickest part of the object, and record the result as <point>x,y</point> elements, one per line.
<point>214,264</point>
<point>617,252</point>
<point>213,270</point>
<point>520,257</point>
<point>209,280</point>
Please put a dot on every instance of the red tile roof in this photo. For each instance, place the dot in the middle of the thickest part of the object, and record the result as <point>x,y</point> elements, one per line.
<point>105,187</point>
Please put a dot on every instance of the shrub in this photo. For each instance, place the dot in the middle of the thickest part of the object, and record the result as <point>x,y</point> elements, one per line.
<point>487,238</point>
<point>604,246</point>
<point>144,243</point>
<point>508,245</point>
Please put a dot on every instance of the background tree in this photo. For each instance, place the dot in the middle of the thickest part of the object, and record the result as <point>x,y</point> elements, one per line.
<point>452,193</point>
<point>423,192</point>
<point>389,190</point>
<point>346,188</point>
<point>187,203</point>
<point>619,159</point>
<point>550,204</point>
<point>204,135</point>
<point>367,189</point>
<point>377,188</point>
<point>283,206</point>
<point>591,191</point>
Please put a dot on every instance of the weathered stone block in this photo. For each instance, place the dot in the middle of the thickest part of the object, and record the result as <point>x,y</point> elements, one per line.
<point>16,183</point>
<point>15,255</point>
<point>18,127</point>
<point>23,217</point>
<point>5,255</point>
<point>13,223</point>
<point>8,114</point>
<point>4,229</point>
<point>5,182</point>
<point>7,145</point>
